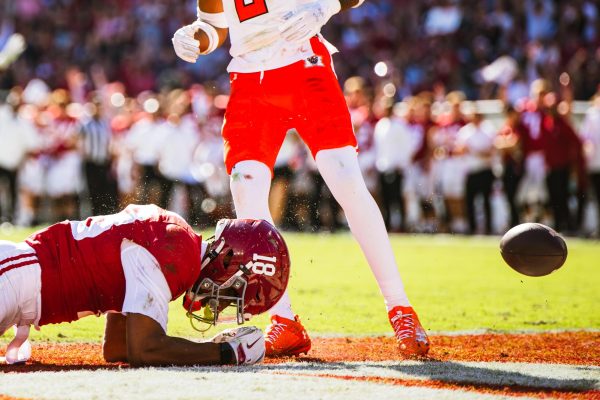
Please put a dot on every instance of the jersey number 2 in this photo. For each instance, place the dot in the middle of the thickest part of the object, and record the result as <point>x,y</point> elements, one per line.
<point>248,9</point>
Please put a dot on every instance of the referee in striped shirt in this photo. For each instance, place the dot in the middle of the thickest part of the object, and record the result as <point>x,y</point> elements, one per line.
<point>95,139</point>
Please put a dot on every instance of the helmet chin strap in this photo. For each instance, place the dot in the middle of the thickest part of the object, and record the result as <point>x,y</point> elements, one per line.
<point>212,254</point>
<point>201,326</point>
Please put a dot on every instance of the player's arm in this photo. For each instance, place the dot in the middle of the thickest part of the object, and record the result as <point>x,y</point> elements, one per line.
<point>149,345</point>
<point>203,36</point>
<point>211,12</point>
<point>141,341</point>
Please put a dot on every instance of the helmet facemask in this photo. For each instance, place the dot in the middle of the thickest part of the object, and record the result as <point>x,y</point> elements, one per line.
<point>206,300</point>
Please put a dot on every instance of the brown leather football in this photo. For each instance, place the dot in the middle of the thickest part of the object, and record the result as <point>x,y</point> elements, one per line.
<point>533,249</point>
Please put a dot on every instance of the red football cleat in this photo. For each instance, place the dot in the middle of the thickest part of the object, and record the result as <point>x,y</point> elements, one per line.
<point>286,337</point>
<point>412,338</point>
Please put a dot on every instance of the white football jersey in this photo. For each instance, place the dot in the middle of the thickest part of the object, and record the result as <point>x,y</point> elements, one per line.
<point>254,18</point>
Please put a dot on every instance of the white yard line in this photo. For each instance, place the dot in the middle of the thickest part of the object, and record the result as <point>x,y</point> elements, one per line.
<point>209,384</point>
<point>537,376</point>
<point>297,380</point>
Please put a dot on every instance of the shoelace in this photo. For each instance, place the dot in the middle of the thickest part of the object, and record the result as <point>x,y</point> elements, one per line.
<point>274,331</point>
<point>404,327</point>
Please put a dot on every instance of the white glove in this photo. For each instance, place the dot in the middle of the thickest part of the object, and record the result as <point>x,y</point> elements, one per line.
<point>187,47</point>
<point>308,19</point>
<point>185,44</point>
<point>247,342</point>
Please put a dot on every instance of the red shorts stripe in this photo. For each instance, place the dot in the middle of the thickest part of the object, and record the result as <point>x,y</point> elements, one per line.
<point>19,265</point>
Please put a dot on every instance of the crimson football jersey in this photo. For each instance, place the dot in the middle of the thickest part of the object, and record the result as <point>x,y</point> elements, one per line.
<point>81,260</point>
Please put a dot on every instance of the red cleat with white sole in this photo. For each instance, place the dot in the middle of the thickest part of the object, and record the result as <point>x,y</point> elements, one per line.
<point>286,337</point>
<point>412,338</point>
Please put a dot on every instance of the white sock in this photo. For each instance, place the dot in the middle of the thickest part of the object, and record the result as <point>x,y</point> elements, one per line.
<point>283,308</point>
<point>340,170</point>
<point>250,183</point>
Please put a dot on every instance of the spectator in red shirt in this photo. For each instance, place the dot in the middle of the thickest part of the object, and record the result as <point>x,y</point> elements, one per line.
<point>563,152</point>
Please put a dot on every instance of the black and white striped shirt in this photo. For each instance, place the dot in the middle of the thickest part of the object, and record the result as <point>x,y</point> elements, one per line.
<point>96,137</point>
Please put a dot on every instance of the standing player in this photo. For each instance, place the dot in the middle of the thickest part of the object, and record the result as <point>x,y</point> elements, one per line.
<point>131,265</point>
<point>282,77</point>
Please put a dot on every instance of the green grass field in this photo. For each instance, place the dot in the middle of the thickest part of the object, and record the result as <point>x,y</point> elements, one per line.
<point>455,283</point>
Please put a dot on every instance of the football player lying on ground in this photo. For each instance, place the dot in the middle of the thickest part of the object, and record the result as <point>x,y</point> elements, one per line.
<point>131,265</point>
<point>281,78</point>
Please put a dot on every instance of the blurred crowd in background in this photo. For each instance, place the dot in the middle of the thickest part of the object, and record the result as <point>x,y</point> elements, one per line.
<point>98,112</point>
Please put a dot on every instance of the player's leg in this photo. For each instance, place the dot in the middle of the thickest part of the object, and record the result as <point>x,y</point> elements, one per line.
<point>327,131</point>
<point>340,169</point>
<point>253,134</point>
<point>252,138</point>
<point>20,286</point>
<point>250,183</point>
<point>329,135</point>
<point>341,172</point>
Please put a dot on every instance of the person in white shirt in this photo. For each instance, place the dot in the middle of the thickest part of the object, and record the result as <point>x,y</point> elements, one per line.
<point>476,143</point>
<point>144,140</point>
<point>210,198</point>
<point>590,134</point>
<point>395,146</point>
<point>176,154</point>
<point>18,137</point>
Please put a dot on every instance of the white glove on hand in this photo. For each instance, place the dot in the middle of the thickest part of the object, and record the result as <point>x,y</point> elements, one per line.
<point>308,19</point>
<point>185,44</point>
<point>247,342</point>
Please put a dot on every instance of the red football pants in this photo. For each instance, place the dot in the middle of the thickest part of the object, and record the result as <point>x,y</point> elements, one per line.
<point>264,105</point>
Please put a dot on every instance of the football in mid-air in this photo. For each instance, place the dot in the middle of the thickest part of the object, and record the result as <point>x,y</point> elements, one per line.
<point>533,249</point>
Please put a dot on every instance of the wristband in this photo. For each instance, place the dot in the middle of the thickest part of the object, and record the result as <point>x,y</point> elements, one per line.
<point>217,20</point>
<point>211,33</point>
